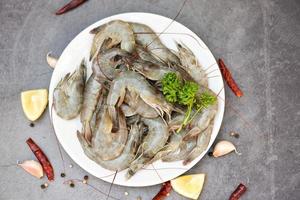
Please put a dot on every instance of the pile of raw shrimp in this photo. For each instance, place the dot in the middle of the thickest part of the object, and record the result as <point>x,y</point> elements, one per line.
<point>126,120</point>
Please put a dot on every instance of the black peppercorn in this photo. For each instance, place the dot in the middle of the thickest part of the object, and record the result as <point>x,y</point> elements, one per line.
<point>43,186</point>
<point>31,124</point>
<point>72,185</point>
<point>86,177</point>
<point>210,153</point>
<point>62,174</point>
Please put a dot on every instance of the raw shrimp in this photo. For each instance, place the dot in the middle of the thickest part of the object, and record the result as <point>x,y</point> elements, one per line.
<point>112,62</point>
<point>191,65</point>
<point>173,144</point>
<point>153,142</point>
<point>92,93</point>
<point>176,122</point>
<point>106,144</point>
<point>146,37</point>
<point>202,143</point>
<point>118,31</point>
<point>96,114</point>
<point>150,70</point>
<point>185,147</point>
<point>201,121</point>
<point>124,160</point>
<point>136,83</point>
<point>146,56</point>
<point>135,105</point>
<point>68,94</point>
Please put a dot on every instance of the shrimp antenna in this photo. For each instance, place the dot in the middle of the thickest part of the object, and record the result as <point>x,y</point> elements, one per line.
<point>89,185</point>
<point>178,13</point>
<point>56,139</point>
<point>110,187</point>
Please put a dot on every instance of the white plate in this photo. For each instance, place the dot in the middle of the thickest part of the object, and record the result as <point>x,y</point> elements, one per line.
<point>79,48</point>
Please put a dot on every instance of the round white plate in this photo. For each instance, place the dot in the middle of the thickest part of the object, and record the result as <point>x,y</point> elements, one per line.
<point>79,48</point>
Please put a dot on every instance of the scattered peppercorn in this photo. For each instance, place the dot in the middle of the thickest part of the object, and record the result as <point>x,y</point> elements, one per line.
<point>234,134</point>
<point>210,153</point>
<point>62,174</point>
<point>31,124</point>
<point>86,177</point>
<point>72,184</point>
<point>43,186</point>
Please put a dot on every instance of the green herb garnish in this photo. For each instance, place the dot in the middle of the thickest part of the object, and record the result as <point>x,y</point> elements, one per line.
<point>171,85</point>
<point>175,91</point>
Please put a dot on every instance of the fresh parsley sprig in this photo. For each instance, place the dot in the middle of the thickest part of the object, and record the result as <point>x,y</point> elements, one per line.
<point>186,94</point>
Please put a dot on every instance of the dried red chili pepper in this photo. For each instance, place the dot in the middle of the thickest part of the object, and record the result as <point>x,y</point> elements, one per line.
<point>229,80</point>
<point>69,6</point>
<point>238,192</point>
<point>164,191</point>
<point>39,154</point>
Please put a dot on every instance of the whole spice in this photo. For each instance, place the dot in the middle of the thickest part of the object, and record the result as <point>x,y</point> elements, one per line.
<point>164,191</point>
<point>32,167</point>
<point>69,6</point>
<point>31,124</point>
<point>62,174</point>
<point>234,134</point>
<point>39,154</point>
<point>72,184</point>
<point>223,147</point>
<point>51,60</point>
<point>238,192</point>
<point>229,80</point>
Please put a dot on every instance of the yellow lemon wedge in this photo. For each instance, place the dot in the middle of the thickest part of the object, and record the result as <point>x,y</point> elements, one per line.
<point>34,103</point>
<point>189,186</point>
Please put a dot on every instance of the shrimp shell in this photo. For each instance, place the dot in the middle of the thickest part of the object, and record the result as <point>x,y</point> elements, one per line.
<point>191,65</point>
<point>68,94</point>
<point>92,93</point>
<point>136,83</point>
<point>118,31</point>
<point>202,143</point>
<point>124,160</point>
<point>146,37</point>
<point>153,142</point>
<point>107,144</point>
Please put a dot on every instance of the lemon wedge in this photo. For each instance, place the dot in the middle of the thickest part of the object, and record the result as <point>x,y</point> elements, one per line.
<point>34,103</point>
<point>189,186</point>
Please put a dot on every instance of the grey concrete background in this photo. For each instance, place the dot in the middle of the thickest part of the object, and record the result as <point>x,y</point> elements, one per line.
<point>258,39</point>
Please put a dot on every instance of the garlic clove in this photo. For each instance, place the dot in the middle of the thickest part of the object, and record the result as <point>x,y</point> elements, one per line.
<point>32,167</point>
<point>51,60</point>
<point>224,147</point>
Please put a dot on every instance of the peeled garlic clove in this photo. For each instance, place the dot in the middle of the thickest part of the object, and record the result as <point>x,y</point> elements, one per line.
<point>224,147</point>
<point>32,167</point>
<point>51,60</point>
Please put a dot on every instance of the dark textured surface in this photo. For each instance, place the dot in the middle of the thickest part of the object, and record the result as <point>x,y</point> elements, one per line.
<point>258,39</point>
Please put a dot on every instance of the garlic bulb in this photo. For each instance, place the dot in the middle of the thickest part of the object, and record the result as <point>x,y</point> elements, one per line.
<point>224,147</point>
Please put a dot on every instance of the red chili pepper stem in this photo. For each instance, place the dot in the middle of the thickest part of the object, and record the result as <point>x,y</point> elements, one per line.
<point>42,158</point>
<point>229,80</point>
